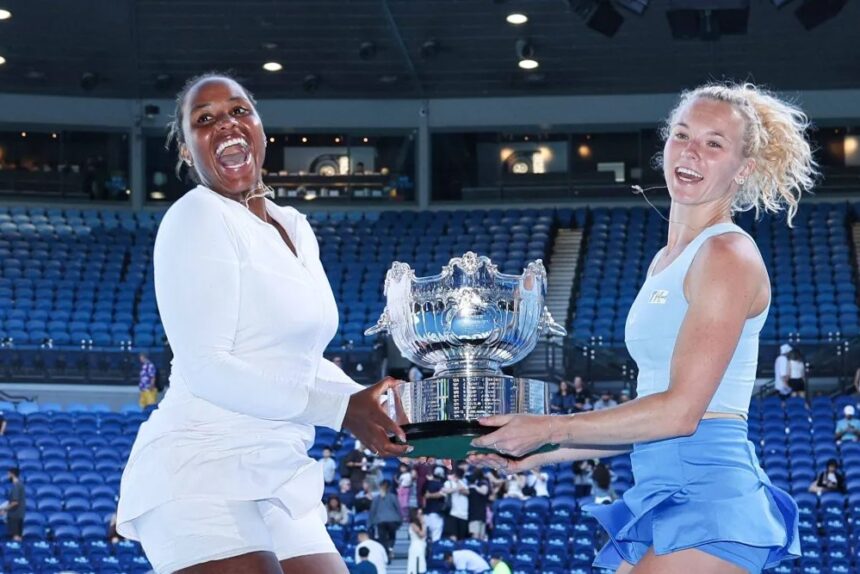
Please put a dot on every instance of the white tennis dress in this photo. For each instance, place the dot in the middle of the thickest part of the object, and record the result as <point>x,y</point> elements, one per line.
<point>248,322</point>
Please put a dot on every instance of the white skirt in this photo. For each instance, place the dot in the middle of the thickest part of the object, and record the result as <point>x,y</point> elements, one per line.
<point>183,533</point>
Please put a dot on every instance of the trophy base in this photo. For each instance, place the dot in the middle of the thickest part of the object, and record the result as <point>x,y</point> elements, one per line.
<point>452,439</point>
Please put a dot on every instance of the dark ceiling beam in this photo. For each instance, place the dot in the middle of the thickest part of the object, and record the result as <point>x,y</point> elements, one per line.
<point>395,29</point>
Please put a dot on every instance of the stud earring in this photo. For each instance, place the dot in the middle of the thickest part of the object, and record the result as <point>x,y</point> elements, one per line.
<point>740,181</point>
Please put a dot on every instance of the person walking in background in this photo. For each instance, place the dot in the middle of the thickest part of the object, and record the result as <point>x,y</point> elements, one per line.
<point>385,516</point>
<point>434,504</point>
<point>405,489</point>
<point>457,522</point>
<point>15,506</point>
<point>376,552</point>
<point>416,559</point>
<point>796,374</point>
<point>364,566</point>
<point>780,371</point>
<point>147,382</point>
<point>479,500</point>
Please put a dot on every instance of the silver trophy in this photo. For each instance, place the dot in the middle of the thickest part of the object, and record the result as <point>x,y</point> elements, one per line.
<point>465,323</point>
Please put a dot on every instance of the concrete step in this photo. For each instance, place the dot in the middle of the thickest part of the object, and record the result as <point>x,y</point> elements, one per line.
<point>401,550</point>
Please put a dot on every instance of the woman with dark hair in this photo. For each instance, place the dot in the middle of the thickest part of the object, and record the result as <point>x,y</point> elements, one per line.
<point>829,479</point>
<point>219,479</point>
<point>601,481</point>
<point>337,512</point>
<point>416,557</point>
<point>562,401</point>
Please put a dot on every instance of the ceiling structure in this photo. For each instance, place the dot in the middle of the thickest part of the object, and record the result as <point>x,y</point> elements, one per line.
<point>408,48</point>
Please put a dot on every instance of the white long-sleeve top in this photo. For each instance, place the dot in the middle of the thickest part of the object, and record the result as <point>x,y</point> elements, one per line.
<point>248,322</point>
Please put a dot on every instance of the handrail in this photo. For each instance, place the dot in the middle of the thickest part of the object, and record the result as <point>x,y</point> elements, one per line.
<point>16,398</point>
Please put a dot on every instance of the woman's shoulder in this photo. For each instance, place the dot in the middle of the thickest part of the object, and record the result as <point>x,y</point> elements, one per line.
<point>197,203</point>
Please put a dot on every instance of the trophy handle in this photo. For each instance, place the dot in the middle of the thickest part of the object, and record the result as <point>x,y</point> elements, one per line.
<point>382,325</point>
<point>548,325</point>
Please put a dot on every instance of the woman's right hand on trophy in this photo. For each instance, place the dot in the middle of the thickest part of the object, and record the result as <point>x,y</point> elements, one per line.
<point>368,421</point>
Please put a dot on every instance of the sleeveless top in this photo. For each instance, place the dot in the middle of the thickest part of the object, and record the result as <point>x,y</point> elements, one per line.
<point>654,322</point>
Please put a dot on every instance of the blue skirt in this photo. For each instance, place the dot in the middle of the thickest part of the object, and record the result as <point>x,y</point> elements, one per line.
<point>704,491</point>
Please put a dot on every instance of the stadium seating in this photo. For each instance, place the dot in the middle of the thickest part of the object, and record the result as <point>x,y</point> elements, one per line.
<point>72,461</point>
<point>84,277</point>
<point>814,286</point>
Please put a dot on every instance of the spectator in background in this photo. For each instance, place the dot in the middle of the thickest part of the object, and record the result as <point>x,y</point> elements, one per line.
<point>338,362</point>
<point>796,374</point>
<point>2,424</point>
<point>423,472</point>
<point>514,488</point>
<point>364,497</point>
<point>405,488</point>
<point>829,480</point>
<point>499,564</point>
<point>416,560</point>
<point>385,517</point>
<point>538,483</point>
<point>337,512</point>
<point>848,428</point>
<point>15,506</point>
<point>329,466</point>
<point>780,371</point>
<point>601,485</point>
<point>497,483</point>
<point>147,382</point>
<point>345,493</point>
<point>457,490</point>
<point>354,466</point>
<point>466,560</point>
<point>373,466</point>
<point>624,397</point>
<point>581,396</point>
<point>434,504</point>
<point>562,401</point>
<point>376,552</point>
<point>582,470</point>
<point>364,565</point>
<point>415,374</point>
<point>606,401</point>
<point>479,499</point>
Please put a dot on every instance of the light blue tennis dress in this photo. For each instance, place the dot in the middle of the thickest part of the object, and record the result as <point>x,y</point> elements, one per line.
<point>707,490</point>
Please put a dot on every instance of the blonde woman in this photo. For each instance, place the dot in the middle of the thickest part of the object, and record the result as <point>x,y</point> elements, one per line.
<point>701,502</point>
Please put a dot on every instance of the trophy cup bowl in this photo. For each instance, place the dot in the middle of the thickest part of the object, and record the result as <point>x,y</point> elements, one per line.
<point>465,323</point>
